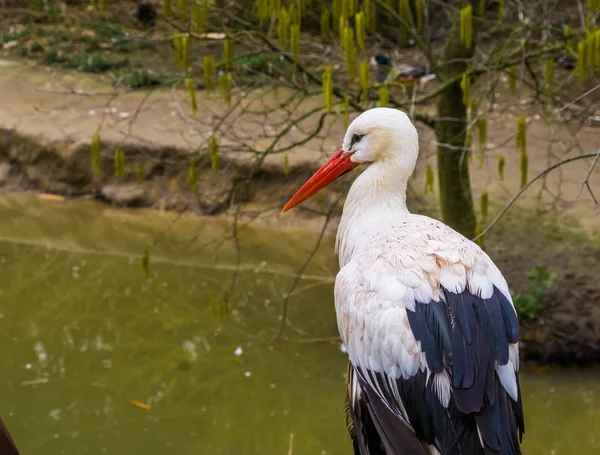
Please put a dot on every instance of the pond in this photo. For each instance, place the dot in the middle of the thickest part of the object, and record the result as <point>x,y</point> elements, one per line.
<point>99,358</point>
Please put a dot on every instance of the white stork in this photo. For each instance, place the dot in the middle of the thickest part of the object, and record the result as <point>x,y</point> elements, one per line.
<point>425,315</point>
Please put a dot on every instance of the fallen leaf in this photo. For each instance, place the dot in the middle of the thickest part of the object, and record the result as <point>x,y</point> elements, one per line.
<point>139,404</point>
<point>50,197</point>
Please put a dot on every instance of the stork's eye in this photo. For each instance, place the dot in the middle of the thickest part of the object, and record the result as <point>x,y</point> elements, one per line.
<point>356,139</point>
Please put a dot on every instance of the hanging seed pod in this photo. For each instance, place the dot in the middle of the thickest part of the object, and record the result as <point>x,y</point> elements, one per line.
<point>294,14</point>
<point>283,27</point>
<point>568,38</point>
<point>361,30</point>
<point>182,9</point>
<point>325,23</point>
<point>482,133</point>
<point>295,42</point>
<point>274,6</point>
<point>228,54</point>
<point>95,147</point>
<point>139,172</point>
<point>500,10</point>
<point>119,162</point>
<point>167,8</point>
<point>384,96</point>
<point>286,165</point>
<point>336,11</point>
<point>465,86</point>
<point>478,230</point>
<point>512,78</point>
<point>192,176</point>
<point>225,85</point>
<point>262,11</point>
<point>178,52</point>
<point>590,57</point>
<point>466,26</point>
<point>185,53</point>
<point>501,164</point>
<point>346,112</point>
<point>363,77</point>
<point>191,86</point>
<point>351,7</point>
<point>485,199</point>
<point>429,179</point>
<point>350,52</point>
<point>405,18</point>
<point>597,45</point>
<point>523,165</point>
<point>419,14</point>
<point>199,17</point>
<point>521,138</point>
<point>581,62</point>
<point>404,11</point>
<point>371,14</point>
<point>214,155</point>
<point>210,73</point>
<point>327,88</point>
<point>342,32</point>
<point>549,70</point>
<point>344,11</point>
<point>145,263</point>
<point>480,158</point>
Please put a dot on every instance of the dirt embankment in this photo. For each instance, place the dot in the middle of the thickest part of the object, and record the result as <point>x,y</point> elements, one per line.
<point>45,134</point>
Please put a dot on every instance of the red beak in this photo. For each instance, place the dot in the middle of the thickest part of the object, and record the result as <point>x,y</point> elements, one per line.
<point>337,165</point>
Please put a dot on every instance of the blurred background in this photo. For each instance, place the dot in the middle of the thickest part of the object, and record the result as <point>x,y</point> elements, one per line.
<point>153,299</point>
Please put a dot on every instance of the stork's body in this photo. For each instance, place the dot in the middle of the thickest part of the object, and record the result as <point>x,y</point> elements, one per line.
<point>426,317</point>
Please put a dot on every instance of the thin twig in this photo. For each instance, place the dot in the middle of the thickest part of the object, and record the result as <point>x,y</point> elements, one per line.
<point>589,92</point>
<point>303,268</point>
<point>531,182</point>
<point>587,178</point>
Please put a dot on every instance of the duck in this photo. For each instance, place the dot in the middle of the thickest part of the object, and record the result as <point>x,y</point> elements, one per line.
<point>389,72</point>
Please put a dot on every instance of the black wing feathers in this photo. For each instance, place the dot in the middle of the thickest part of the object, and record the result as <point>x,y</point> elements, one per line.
<point>463,336</point>
<point>429,323</point>
<point>363,431</point>
<point>396,436</point>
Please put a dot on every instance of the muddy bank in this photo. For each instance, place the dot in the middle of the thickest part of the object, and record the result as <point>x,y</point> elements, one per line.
<point>154,177</point>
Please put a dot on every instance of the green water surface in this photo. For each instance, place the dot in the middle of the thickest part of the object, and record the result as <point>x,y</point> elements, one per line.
<point>83,332</point>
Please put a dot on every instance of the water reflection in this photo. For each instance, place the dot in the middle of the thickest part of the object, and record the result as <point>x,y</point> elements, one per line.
<point>84,333</point>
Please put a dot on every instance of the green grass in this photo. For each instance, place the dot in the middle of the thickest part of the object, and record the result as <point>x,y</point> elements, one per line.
<point>529,303</point>
<point>139,78</point>
<point>94,63</point>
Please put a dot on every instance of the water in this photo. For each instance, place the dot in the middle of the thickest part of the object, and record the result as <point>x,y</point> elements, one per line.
<point>84,332</point>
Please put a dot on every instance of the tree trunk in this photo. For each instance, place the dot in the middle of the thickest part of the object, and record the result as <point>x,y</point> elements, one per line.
<point>456,200</point>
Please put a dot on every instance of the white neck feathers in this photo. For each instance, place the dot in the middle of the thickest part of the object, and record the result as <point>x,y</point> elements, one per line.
<point>376,200</point>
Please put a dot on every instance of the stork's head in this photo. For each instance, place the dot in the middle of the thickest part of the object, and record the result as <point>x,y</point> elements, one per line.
<point>380,137</point>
